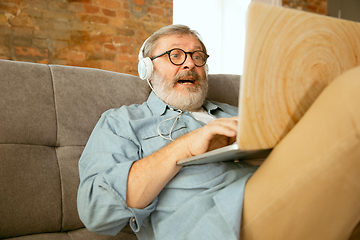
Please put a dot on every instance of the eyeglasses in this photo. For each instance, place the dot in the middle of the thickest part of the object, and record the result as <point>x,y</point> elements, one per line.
<point>178,56</point>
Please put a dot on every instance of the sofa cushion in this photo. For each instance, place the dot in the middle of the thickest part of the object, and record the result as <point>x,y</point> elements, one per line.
<point>30,199</point>
<point>224,88</point>
<point>27,104</point>
<point>83,94</point>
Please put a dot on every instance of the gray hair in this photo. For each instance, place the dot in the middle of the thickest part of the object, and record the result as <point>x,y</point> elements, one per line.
<point>169,30</point>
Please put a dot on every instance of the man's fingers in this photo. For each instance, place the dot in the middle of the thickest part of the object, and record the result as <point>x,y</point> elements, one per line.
<point>213,135</point>
<point>223,126</point>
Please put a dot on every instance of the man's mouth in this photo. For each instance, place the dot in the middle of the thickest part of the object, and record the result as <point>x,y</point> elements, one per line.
<point>186,81</point>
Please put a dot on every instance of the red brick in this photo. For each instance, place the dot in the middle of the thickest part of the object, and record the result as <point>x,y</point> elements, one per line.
<point>3,20</point>
<point>168,13</point>
<point>101,38</point>
<point>127,58</point>
<point>311,8</point>
<point>164,4</point>
<point>23,41</point>
<point>79,1</point>
<point>116,22</point>
<point>75,7</point>
<point>14,1</point>
<point>154,10</point>
<point>73,55</point>
<point>93,19</point>
<point>121,40</point>
<point>92,64</point>
<point>95,56</point>
<point>125,32</point>
<point>78,37</point>
<point>27,51</point>
<point>123,14</point>
<point>312,2</point>
<point>109,46</point>
<point>126,49</point>
<point>108,29</point>
<point>4,39</point>
<point>57,5</point>
<point>91,9</point>
<point>4,50</point>
<point>43,61</point>
<point>36,13</point>
<point>108,12</point>
<point>108,65</point>
<point>110,4</point>
<point>285,2</point>
<point>139,2</point>
<point>132,24</point>
<point>58,44</point>
<point>90,47</point>
<point>59,15</point>
<point>125,5</point>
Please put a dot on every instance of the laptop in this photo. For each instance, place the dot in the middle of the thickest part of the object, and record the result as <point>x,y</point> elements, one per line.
<point>290,57</point>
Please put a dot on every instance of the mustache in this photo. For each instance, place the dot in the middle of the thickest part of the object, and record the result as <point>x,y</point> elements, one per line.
<point>185,74</point>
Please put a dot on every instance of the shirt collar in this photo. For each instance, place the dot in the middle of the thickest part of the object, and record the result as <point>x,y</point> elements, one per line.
<point>210,106</point>
<point>158,107</point>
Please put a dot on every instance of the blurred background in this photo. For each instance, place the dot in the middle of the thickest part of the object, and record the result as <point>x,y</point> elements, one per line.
<point>107,34</point>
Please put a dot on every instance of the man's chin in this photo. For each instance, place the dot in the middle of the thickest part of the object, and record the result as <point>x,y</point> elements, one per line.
<point>189,101</point>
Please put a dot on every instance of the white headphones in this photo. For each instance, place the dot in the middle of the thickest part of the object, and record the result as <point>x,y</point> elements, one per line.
<point>146,67</point>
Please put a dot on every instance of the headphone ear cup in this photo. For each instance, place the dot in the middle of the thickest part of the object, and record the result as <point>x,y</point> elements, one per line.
<point>145,68</point>
<point>206,68</point>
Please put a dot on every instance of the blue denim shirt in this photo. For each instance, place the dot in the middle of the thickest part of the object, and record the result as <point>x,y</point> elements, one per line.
<point>200,202</point>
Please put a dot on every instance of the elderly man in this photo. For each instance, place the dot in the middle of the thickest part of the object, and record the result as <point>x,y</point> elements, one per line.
<point>128,169</point>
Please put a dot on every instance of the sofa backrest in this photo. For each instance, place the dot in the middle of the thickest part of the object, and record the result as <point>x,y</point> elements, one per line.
<point>47,113</point>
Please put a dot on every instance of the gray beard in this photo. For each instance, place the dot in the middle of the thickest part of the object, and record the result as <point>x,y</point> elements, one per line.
<point>192,100</point>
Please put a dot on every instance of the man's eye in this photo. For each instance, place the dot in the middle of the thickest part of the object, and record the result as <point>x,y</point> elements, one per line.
<point>198,56</point>
<point>174,55</point>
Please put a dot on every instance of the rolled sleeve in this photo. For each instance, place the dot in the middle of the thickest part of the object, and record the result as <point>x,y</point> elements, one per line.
<point>104,168</point>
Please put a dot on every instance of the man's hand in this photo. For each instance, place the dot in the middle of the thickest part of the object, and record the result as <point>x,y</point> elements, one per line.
<point>217,134</point>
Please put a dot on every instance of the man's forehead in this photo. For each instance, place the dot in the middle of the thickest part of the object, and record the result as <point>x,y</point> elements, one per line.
<point>174,41</point>
<point>179,46</point>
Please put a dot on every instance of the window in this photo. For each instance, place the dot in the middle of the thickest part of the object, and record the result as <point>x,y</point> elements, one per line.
<point>221,23</point>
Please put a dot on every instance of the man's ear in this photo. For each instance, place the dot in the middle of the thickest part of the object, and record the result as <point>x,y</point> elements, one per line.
<point>206,69</point>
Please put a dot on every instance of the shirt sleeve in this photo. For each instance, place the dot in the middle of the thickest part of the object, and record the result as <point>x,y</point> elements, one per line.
<point>104,168</point>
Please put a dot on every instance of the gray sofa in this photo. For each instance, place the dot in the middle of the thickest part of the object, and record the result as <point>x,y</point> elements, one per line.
<point>47,113</point>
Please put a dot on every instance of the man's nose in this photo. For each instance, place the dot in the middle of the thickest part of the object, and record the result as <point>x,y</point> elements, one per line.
<point>189,62</point>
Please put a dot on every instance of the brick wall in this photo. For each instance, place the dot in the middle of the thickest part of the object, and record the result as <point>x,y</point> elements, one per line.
<point>105,34</point>
<point>315,6</point>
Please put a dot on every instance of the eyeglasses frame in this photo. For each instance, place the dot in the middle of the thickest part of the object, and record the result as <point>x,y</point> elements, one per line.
<point>186,53</point>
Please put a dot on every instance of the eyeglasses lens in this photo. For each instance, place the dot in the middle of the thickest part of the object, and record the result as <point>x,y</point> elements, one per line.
<point>178,57</point>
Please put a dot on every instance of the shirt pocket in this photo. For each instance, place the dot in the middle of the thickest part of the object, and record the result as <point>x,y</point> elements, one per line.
<point>156,137</point>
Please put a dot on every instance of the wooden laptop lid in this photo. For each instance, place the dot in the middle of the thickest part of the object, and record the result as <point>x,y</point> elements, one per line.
<point>290,57</point>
